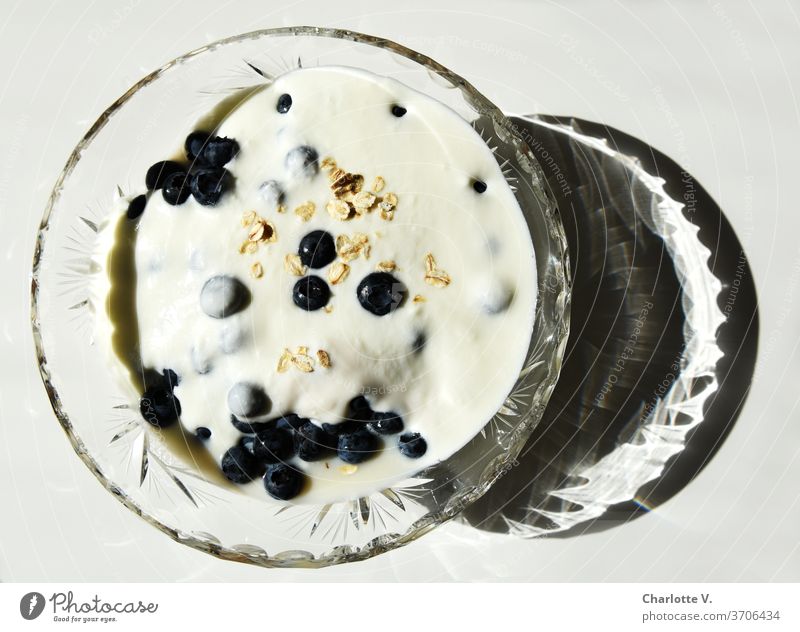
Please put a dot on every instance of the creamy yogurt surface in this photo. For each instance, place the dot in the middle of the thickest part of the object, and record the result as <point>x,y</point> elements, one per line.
<point>450,231</point>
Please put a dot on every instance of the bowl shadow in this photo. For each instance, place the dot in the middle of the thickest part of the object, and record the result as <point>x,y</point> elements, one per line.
<point>620,267</point>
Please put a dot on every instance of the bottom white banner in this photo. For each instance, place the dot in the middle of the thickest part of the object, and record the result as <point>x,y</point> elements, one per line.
<point>331,607</point>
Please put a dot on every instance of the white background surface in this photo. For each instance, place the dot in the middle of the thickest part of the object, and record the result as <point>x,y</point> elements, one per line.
<point>715,86</point>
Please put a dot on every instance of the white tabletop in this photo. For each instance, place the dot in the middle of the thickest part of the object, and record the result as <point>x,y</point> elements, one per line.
<point>715,85</point>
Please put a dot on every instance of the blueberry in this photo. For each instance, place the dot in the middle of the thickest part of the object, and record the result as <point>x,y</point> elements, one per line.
<point>284,103</point>
<point>290,421</point>
<point>358,409</point>
<point>201,363</point>
<point>311,293</point>
<point>272,192</point>
<point>380,293</point>
<point>419,342</point>
<point>496,298</point>
<point>248,442</point>
<point>412,445</point>
<point>194,144</point>
<point>317,249</point>
<point>302,162</point>
<point>231,338</point>
<point>398,110</point>
<point>170,378</point>
<point>175,189</point>
<point>208,185</point>
<point>219,151</point>
<point>386,423</point>
<point>223,296</point>
<point>313,443</point>
<point>159,406</point>
<point>358,446</point>
<point>283,482</point>
<point>250,427</point>
<point>136,206</point>
<point>155,176</point>
<point>240,466</point>
<point>344,427</point>
<point>247,400</point>
<point>273,445</point>
<point>202,433</point>
<point>479,186</point>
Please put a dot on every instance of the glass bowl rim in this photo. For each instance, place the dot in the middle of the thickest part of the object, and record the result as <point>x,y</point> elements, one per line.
<point>430,520</point>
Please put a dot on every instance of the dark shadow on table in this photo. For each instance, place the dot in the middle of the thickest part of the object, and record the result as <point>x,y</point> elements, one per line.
<point>619,266</point>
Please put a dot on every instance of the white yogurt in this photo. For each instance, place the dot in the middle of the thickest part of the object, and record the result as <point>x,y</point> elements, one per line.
<point>475,330</point>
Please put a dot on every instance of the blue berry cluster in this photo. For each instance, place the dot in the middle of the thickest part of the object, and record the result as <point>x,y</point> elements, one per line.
<point>316,250</point>
<point>158,405</point>
<point>379,292</point>
<point>266,446</point>
<point>202,175</point>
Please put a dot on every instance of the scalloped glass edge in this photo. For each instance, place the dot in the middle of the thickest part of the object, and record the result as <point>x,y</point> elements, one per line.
<point>546,356</point>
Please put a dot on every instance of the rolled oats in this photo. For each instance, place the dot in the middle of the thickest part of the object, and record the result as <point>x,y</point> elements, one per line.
<point>303,361</point>
<point>294,264</point>
<point>349,248</point>
<point>339,209</point>
<point>324,359</point>
<point>363,201</point>
<point>338,272</point>
<point>248,217</point>
<point>387,205</point>
<point>285,361</point>
<point>262,230</point>
<point>433,275</point>
<point>256,270</point>
<point>306,211</point>
<point>345,183</point>
<point>334,173</point>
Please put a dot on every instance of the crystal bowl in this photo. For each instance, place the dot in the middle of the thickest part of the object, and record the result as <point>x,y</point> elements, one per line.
<point>129,457</point>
